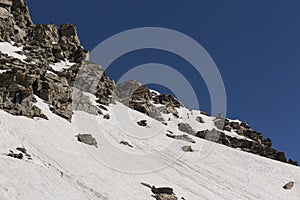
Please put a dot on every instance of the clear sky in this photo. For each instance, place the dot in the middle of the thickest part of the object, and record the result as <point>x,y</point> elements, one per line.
<point>255,44</point>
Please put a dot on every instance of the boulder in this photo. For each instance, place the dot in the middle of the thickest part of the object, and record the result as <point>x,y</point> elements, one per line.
<point>219,123</point>
<point>142,123</point>
<point>162,190</point>
<point>165,197</point>
<point>289,185</point>
<point>87,139</point>
<point>185,127</point>
<point>181,137</point>
<point>187,149</point>
<point>200,119</point>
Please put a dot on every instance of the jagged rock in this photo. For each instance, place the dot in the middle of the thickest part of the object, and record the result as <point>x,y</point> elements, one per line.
<point>142,123</point>
<point>161,190</point>
<point>126,143</point>
<point>87,139</point>
<point>219,123</point>
<point>204,113</point>
<point>81,102</point>
<point>281,157</point>
<point>22,149</point>
<point>107,116</point>
<point>185,127</point>
<point>167,100</point>
<point>200,119</point>
<point>289,185</point>
<point>138,97</point>
<point>15,155</point>
<point>46,33</point>
<point>235,125</point>
<point>227,128</point>
<point>181,137</point>
<point>187,149</point>
<point>56,92</point>
<point>165,197</point>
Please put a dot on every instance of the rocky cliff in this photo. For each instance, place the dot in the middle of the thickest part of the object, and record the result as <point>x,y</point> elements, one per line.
<point>43,45</point>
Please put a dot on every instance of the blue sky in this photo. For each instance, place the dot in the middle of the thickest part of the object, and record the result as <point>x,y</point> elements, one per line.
<point>255,44</point>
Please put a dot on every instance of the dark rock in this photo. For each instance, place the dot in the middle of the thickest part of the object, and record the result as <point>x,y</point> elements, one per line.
<point>107,116</point>
<point>15,155</point>
<point>22,149</point>
<point>204,113</point>
<point>87,139</point>
<point>200,119</point>
<point>126,143</point>
<point>289,185</point>
<point>219,123</point>
<point>187,149</point>
<point>181,137</point>
<point>185,127</point>
<point>142,123</point>
<point>165,197</point>
<point>162,190</point>
<point>227,128</point>
<point>281,157</point>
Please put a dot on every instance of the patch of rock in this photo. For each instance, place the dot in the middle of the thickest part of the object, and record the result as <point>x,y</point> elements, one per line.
<point>87,139</point>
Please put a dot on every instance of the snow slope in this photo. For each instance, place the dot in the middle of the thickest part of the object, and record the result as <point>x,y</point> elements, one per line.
<point>64,169</point>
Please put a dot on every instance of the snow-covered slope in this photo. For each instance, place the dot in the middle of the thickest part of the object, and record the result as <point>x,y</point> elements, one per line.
<point>62,168</point>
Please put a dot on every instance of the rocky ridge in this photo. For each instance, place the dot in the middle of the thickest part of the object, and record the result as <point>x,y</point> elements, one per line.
<point>44,45</point>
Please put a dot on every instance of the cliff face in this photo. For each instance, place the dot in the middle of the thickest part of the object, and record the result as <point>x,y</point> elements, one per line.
<point>41,47</point>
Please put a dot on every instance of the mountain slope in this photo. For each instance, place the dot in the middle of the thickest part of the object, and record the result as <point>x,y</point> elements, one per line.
<point>63,168</point>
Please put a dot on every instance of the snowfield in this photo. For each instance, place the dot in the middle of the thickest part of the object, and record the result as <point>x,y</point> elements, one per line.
<point>64,169</point>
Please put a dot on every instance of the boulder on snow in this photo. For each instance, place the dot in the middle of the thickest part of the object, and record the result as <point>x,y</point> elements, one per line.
<point>126,143</point>
<point>165,197</point>
<point>200,119</point>
<point>289,185</point>
<point>87,139</point>
<point>142,123</point>
<point>181,137</point>
<point>187,149</point>
<point>185,127</point>
<point>161,190</point>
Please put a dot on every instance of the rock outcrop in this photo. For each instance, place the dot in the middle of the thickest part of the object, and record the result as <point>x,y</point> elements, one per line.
<point>138,97</point>
<point>243,144</point>
<point>43,45</point>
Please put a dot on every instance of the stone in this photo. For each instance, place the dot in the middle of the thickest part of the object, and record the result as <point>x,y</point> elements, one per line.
<point>47,33</point>
<point>162,190</point>
<point>204,113</point>
<point>185,138</point>
<point>142,123</point>
<point>227,128</point>
<point>219,123</point>
<point>165,197</point>
<point>289,185</point>
<point>200,119</point>
<point>15,155</point>
<point>185,127</point>
<point>107,116</point>
<point>281,157</point>
<point>187,149</point>
<point>87,139</point>
<point>126,143</point>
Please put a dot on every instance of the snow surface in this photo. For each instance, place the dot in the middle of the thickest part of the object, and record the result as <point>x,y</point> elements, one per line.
<point>11,50</point>
<point>61,65</point>
<point>62,168</point>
